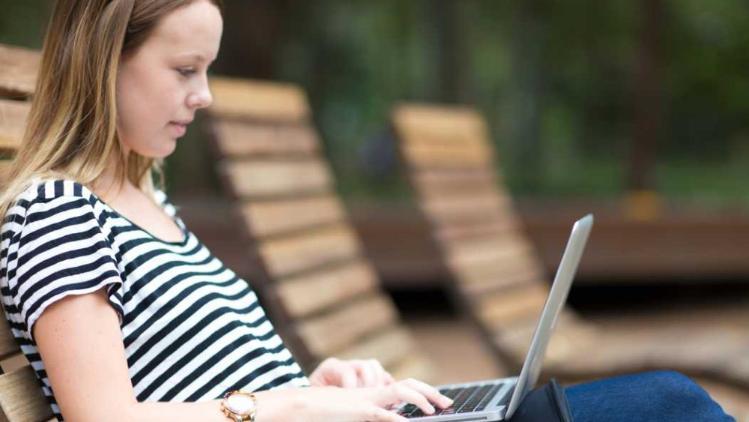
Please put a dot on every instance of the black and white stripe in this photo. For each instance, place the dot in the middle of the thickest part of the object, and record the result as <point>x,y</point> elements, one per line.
<point>192,329</point>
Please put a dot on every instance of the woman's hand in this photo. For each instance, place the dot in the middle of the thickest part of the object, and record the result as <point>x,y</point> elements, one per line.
<point>332,404</point>
<point>334,372</point>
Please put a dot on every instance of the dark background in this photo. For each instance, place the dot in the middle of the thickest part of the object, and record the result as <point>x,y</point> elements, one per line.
<point>584,98</point>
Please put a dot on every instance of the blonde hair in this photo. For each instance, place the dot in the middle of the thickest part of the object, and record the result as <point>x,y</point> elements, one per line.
<point>72,126</point>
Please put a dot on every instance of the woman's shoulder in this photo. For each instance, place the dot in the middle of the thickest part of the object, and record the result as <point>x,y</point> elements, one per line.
<point>52,189</point>
<point>47,196</point>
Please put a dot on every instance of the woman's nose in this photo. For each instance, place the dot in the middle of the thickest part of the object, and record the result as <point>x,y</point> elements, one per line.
<point>200,98</point>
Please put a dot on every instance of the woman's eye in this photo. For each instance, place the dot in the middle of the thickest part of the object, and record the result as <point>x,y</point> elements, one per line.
<point>186,71</point>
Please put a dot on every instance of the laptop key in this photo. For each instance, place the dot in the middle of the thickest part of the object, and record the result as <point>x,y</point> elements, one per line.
<point>450,392</point>
<point>489,397</point>
<point>463,397</point>
<point>475,399</point>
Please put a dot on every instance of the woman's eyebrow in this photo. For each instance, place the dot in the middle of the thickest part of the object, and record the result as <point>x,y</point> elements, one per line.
<point>196,56</point>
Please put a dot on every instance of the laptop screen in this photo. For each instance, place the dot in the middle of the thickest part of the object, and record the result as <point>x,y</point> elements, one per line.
<point>553,307</point>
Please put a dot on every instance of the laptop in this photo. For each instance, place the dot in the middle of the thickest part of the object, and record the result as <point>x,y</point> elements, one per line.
<point>498,399</point>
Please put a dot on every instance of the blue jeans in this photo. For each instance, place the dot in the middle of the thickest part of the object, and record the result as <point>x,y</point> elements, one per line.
<point>652,396</point>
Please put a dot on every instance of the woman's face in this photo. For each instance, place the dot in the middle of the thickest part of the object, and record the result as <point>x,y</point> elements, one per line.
<point>163,84</point>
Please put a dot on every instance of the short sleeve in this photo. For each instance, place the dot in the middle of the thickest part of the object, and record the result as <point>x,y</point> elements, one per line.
<point>61,250</point>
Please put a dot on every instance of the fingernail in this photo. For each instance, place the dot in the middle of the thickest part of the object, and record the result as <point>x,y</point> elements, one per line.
<point>431,409</point>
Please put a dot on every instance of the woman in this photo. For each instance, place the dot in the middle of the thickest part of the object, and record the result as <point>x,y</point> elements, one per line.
<point>122,312</point>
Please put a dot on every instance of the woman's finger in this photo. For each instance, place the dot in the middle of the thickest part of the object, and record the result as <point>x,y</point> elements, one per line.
<point>348,375</point>
<point>389,378</point>
<point>372,373</point>
<point>367,377</point>
<point>405,393</point>
<point>383,376</point>
<point>431,393</point>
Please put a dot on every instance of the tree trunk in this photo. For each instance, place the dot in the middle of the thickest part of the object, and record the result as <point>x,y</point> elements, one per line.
<point>252,37</point>
<point>648,98</point>
<point>527,91</point>
<point>451,53</point>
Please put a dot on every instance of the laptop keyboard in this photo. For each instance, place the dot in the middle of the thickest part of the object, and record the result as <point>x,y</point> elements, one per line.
<point>465,399</point>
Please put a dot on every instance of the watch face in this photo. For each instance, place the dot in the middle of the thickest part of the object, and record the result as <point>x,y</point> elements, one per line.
<point>240,404</point>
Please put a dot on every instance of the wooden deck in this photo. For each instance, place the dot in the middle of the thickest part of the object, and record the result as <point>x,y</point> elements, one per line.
<point>681,247</point>
<point>690,247</point>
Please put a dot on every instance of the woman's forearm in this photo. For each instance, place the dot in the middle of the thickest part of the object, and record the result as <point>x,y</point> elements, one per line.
<point>272,406</point>
<point>206,411</point>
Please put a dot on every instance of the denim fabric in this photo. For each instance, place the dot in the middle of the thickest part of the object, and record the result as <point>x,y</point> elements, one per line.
<point>651,396</point>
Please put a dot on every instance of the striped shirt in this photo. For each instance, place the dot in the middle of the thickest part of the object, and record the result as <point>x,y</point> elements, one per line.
<point>192,330</point>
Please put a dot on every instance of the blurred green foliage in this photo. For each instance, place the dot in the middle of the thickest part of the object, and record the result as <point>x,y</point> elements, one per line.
<point>23,22</point>
<point>556,81</point>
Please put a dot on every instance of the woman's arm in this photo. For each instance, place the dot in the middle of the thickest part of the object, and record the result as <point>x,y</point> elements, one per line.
<point>80,341</point>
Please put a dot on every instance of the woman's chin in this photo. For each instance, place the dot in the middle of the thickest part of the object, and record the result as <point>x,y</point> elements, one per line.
<point>163,152</point>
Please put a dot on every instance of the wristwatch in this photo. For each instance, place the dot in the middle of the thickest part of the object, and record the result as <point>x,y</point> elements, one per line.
<point>239,406</point>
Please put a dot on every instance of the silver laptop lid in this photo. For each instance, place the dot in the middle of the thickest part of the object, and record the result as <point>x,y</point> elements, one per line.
<point>554,304</point>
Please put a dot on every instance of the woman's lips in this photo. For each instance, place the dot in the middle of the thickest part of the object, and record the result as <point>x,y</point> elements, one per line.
<point>178,129</point>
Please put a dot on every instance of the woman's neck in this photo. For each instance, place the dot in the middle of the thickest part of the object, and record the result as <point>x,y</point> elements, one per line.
<point>111,184</point>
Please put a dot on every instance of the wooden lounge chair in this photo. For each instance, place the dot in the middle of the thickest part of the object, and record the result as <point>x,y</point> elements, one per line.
<point>498,279</point>
<point>21,397</point>
<point>322,292</point>
<point>319,289</point>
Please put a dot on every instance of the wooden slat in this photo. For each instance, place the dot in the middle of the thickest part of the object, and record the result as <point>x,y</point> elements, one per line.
<point>456,208</point>
<point>436,137</point>
<point>13,116</point>
<point>569,338</point>
<point>416,367</point>
<point>285,178</point>
<point>327,335</point>
<point>457,179</point>
<point>501,253</point>
<point>466,193</point>
<point>515,339</point>
<point>445,125</point>
<point>18,70</point>
<point>511,244</point>
<point>21,397</point>
<point>390,347</point>
<point>310,293</point>
<point>496,267</point>
<point>282,216</point>
<point>737,368</point>
<point>494,281</point>
<point>465,230</point>
<point>438,187</point>
<point>258,100</point>
<point>14,362</point>
<point>444,156</point>
<point>243,139</point>
<point>511,306</point>
<point>425,138</point>
<point>309,250</point>
<point>8,345</point>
